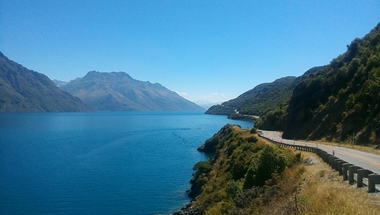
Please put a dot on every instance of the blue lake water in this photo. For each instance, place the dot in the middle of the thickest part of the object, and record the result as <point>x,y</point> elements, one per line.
<point>100,163</point>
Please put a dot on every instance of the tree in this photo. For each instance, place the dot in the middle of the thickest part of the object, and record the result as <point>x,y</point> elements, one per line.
<point>269,161</point>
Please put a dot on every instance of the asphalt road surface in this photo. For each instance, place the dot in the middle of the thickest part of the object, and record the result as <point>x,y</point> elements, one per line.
<point>363,159</point>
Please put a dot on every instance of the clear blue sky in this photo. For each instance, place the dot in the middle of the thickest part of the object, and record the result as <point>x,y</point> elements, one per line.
<point>205,50</point>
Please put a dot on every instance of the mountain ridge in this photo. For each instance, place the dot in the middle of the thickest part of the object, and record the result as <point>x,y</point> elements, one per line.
<point>24,90</point>
<point>118,91</point>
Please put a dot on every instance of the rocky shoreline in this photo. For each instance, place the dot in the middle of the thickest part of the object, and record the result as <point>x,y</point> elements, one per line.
<point>188,209</point>
<point>193,192</point>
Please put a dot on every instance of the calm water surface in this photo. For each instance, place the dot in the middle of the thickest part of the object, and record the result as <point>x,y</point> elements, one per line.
<point>100,163</point>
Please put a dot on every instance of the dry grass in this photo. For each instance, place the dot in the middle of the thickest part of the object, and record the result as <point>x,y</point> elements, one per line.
<point>237,128</point>
<point>317,189</point>
<point>323,192</point>
<point>244,132</point>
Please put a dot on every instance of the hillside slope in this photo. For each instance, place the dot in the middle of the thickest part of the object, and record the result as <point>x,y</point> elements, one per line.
<point>23,90</point>
<point>249,175</point>
<point>342,99</point>
<point>117,91</point>
<point>258,100</point>
<point>242,171</point>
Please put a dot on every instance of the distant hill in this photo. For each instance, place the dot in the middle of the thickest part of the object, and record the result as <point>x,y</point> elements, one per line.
<point>59,83</point>
<point>340,100</point>
<point>117,91</point>
<point>259,100</point>
<point>206,104</point>
<point>23,90</point>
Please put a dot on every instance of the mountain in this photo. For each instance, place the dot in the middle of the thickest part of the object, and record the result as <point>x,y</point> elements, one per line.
<point>259,100</point>
<point>339,101</point>
<point>59,83</point>
<point>117,91</point>
<point>23,90</point>
<point>206,104</point>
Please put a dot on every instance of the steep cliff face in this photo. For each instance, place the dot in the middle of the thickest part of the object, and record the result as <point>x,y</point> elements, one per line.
<point>340,100</point>
<point>23,90</point>
<point>117,91</point>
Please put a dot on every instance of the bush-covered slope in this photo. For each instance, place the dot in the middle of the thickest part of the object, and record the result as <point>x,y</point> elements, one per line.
<point>341,99</point>
<point>338,101</point>
<point>259,100</point>
<point>242,171</point>
<point>273,119</point>
<point>249,175</point>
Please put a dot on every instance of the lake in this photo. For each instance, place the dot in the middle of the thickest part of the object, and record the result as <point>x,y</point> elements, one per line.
<point>101,162</point>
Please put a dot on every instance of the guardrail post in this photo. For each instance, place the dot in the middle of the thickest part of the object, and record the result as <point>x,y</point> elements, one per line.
<point>336,160</point>
<point>340,166</point>
<point>315,150</point>
<point>335,163</point>
<point>319,152</point>
<point>373,179</point>
<point>325,156</point>
<point>331,160</point>
<point>351,171</point>
<point>362,173</point>
<point>345,169</point>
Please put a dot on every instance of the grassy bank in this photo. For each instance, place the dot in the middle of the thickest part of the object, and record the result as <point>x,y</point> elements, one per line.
<point>320,190</point>
<point>248,175</point>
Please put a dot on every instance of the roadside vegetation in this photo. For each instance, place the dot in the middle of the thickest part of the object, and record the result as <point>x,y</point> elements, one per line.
<point>248,175</point>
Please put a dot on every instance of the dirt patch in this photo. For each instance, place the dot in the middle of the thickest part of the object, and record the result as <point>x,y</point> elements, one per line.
<point>311,160</point>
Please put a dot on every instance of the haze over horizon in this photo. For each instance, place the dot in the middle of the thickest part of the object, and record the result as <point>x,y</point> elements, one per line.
<point>206,51</point>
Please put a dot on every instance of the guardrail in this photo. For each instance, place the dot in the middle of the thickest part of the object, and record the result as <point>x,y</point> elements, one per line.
<point>339,165</point>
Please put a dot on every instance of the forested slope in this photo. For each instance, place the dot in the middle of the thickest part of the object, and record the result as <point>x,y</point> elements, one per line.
<point>336,101</point>
<point>259,100</point>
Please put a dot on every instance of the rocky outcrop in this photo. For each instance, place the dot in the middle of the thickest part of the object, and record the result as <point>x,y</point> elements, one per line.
<point>188,209</point>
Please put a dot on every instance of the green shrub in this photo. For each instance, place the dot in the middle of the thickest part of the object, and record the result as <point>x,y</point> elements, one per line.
<point>252,139</point>
<point>263,166</point>
<point>202,167</point>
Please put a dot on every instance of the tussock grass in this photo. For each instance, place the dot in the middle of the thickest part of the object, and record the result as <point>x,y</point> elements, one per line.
<point>318,189</point>
<point>323,192</point>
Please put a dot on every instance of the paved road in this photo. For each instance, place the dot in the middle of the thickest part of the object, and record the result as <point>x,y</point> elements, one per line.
<point>363,159</point>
